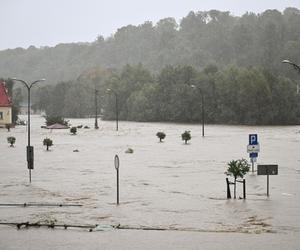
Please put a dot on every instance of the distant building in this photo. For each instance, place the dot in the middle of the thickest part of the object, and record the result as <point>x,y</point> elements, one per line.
<point>5,106</point>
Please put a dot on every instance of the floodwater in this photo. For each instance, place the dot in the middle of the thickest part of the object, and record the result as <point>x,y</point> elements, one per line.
<point>166,185</point>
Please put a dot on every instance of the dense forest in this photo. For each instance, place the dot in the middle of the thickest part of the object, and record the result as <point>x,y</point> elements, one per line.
<point>234,62</point>
<point>234,95</point>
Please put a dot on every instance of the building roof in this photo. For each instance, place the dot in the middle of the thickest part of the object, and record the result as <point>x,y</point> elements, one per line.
<point>4,98</point>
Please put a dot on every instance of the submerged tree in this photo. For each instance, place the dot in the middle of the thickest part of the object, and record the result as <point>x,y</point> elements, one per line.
<point>161,136</point>
<point>73,130</point>
<point>48,143</point>
<point>11,140</point>
<point>186,136</point>
<point>237,168</point>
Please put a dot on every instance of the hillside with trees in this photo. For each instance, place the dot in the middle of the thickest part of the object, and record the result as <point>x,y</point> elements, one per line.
<point>236,62</point>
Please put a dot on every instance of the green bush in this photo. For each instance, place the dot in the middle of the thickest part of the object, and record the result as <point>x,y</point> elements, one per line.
<point>50,120</point>
<point>11,140</point>
<point>47,142</point>
<point>237,168</point>
<point>161,135</point>
<point>73,130</point>
<point>186,136</point>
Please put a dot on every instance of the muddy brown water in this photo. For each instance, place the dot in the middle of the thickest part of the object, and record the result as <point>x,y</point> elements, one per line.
<point>166,185</point>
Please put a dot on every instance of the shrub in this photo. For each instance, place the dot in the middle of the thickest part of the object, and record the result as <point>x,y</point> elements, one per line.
<point>186,136</point>
<point>237,168</point>
<point>11,140</point>
<point>50,120</point>
<point>47,142</point>
<point>73,130</point>
<point>161,136</point>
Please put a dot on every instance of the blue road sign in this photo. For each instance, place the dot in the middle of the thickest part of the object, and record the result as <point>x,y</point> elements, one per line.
<point>253,139</point>
<point>253,155</point>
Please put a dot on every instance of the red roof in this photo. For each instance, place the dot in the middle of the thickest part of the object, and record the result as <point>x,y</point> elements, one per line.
<point>4,98</point>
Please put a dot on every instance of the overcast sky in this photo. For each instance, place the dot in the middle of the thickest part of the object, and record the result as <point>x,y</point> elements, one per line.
<point>49,22</point>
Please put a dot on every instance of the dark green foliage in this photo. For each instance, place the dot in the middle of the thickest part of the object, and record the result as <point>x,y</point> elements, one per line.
<point>235,62</point>
<point>47,142</point>
<point>186,136</point>
<point>50,120</point>
<point>238,168</point>
<point>161,135</point>
<point>73,130</point>
<point>200,38</point>
<point>233,95</point>
<point>11,140</point>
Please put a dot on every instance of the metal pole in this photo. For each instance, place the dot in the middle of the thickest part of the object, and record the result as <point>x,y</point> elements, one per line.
<point>268,194</point>
<point>228,189</point>
<point>96,109</point>
<point>252,161</point>
<point>202,97</point>
<point>117,186</point>
<point>117,115</point>
<point>244,188</point>
<point>28,121</point>
<point>29,148</point>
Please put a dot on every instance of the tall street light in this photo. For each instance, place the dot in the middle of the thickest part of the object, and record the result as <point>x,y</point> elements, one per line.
<point>117,118</point>
<point>202,106</point>
<point>29,149</point>
<point>96,109</point>
<point>296,67</point>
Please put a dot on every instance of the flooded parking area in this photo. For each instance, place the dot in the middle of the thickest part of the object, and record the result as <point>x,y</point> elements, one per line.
<point>168,185</point>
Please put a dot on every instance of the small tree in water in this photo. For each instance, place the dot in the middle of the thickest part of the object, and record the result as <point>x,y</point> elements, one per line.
<point>186,136</point>
<point>161,136</point>
<point>11,140</point>
<point>237,168</point>
<point>73,130</point>
<point>48,143</point>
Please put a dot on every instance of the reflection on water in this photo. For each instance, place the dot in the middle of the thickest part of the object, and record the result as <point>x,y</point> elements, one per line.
<point>167,185</point>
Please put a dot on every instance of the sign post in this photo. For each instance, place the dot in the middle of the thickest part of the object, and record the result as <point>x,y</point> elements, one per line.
<point>270,169</point>
<point>253,149</point>
<point>117,164</point>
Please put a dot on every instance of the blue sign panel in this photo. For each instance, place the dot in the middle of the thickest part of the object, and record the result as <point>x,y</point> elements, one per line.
<point>253,155</point>
<point>253,139</point>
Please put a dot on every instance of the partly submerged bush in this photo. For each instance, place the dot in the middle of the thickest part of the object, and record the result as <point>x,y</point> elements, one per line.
<point>161,135</point>
<point>186,136</point>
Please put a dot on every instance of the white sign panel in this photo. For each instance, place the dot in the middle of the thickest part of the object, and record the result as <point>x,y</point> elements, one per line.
<point>253,148</point>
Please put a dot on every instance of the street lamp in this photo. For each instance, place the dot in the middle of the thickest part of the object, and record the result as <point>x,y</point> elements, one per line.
<point>297,67</point>
<point>202,106</point>
<point>117,118</point>
<point>29,149</point>
<point>96,109</point>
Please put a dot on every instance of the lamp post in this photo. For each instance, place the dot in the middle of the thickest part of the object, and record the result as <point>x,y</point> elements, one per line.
<point>296,67</point>
<point>117,115</point>
<point>96,109</point>
<point>202,106</point>
<point>29,149</point>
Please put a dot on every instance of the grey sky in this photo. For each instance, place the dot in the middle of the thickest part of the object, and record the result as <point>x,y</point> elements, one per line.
<point>49,22</point>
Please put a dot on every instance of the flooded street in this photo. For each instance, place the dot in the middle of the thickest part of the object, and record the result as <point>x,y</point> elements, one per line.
<point>166,185</point>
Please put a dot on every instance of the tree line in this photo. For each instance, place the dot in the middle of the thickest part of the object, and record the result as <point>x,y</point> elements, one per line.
<point>199,39</point>
<point>232,95</point>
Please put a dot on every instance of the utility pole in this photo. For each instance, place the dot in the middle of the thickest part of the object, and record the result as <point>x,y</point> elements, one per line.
<point>29,149</point>
<point>96,108</point>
